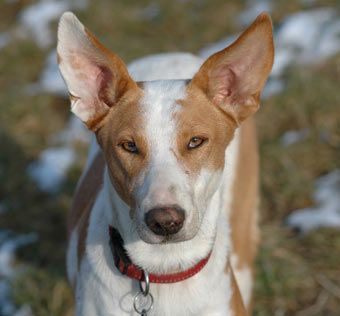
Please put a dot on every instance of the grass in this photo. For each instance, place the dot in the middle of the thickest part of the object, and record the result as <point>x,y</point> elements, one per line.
<point>294,273</point>
<point>310,101</point>
<point>289,267</point>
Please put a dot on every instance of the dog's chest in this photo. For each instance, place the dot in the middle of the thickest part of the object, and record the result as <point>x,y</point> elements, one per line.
<point>111,294</point>
<point>102,290</point>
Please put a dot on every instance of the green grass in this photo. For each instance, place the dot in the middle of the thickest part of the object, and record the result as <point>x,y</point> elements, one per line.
<point>289,267</point>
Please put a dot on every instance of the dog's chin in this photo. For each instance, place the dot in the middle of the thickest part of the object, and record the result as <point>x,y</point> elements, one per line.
<point>150,238</point>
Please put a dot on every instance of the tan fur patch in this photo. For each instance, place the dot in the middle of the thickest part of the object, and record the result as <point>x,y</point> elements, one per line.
<point>244,207</point>
<point>236,302</point>
<point>199,117</point>
<point>124,123</point>
<point>243,217</point>
<point>84,198</point>
<point>58,58</point>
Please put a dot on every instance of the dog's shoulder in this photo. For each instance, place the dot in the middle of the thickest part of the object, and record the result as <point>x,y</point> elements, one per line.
<point>87,190</point>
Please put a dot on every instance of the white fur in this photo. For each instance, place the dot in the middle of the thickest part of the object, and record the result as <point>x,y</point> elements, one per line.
<point>165,66</point>
<point>102,289</point>
<point>164,171</point>
<point>244,279</point>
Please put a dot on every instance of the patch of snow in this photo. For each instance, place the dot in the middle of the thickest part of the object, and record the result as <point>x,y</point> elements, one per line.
<point>8,245</point>
<point>5,38</point>
<point>283,58</point>
<point>7,308</point>
<point>37,17</point>
<point>75,131</point>
<point>151,11</point>
<point>24,311</point>
<point>272,87</point>
<point>7,252</point>
<point>330,41</point>
<point>307,37</point>
<point>303,37</point>
<point>327,211</point>
<point>254,8</point>
<point>49,171</point>
<point>301,29</point>
<point>294,136</point>
<point>51,80</point>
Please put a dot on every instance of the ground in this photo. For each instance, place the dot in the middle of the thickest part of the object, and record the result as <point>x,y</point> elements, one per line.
<point>295,274</point>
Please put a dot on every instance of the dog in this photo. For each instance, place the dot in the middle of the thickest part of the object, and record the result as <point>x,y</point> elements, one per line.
<point>164,218</point>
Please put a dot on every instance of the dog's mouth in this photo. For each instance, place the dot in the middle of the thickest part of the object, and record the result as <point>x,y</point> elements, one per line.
<point>150,237</point>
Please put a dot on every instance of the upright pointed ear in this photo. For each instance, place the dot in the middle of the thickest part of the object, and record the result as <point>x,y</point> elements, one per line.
<point>234,77</point>
<point>96,78</point>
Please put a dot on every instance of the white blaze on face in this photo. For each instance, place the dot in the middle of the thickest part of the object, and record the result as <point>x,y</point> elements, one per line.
<point>163,181</point>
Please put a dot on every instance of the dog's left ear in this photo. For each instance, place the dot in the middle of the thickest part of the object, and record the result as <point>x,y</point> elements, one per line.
<point>234,77</point>
<point>96,78</point>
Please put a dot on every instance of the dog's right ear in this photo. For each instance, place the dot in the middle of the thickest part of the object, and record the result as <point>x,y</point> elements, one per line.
<point>234,77</point>
<point>96,78</point>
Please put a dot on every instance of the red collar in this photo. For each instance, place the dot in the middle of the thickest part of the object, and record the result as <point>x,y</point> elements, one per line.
<point>126,267</point>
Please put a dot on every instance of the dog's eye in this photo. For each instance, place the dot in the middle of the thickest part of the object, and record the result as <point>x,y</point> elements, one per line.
<point>130,146</point>
<point>196,142</point>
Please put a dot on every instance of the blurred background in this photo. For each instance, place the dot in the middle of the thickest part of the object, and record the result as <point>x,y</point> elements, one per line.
<point>43,147</point>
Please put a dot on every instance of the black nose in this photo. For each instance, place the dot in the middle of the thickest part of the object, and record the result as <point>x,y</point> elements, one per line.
<point>165,221</point>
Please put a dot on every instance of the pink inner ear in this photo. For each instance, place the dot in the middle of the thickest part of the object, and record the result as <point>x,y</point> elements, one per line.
<point>223,79</point>
<point>87,73</point>
<point>104,78</point>
<point>87,82</point>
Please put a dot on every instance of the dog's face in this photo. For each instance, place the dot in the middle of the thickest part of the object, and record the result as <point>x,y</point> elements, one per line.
<point>165,151</point>
<point>165,141</point>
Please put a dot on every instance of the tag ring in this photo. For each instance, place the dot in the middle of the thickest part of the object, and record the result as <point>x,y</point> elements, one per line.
<point>146,280</point>
<point>143,310</point>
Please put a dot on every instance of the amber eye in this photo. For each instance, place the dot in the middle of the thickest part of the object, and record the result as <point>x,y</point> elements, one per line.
<point>196,142</point>
<point>130,146</point>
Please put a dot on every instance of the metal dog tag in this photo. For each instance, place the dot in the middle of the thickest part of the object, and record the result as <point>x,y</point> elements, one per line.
<point>143,301</point>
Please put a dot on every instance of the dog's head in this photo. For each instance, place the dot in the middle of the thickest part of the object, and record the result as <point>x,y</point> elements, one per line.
<point>165,141</point>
